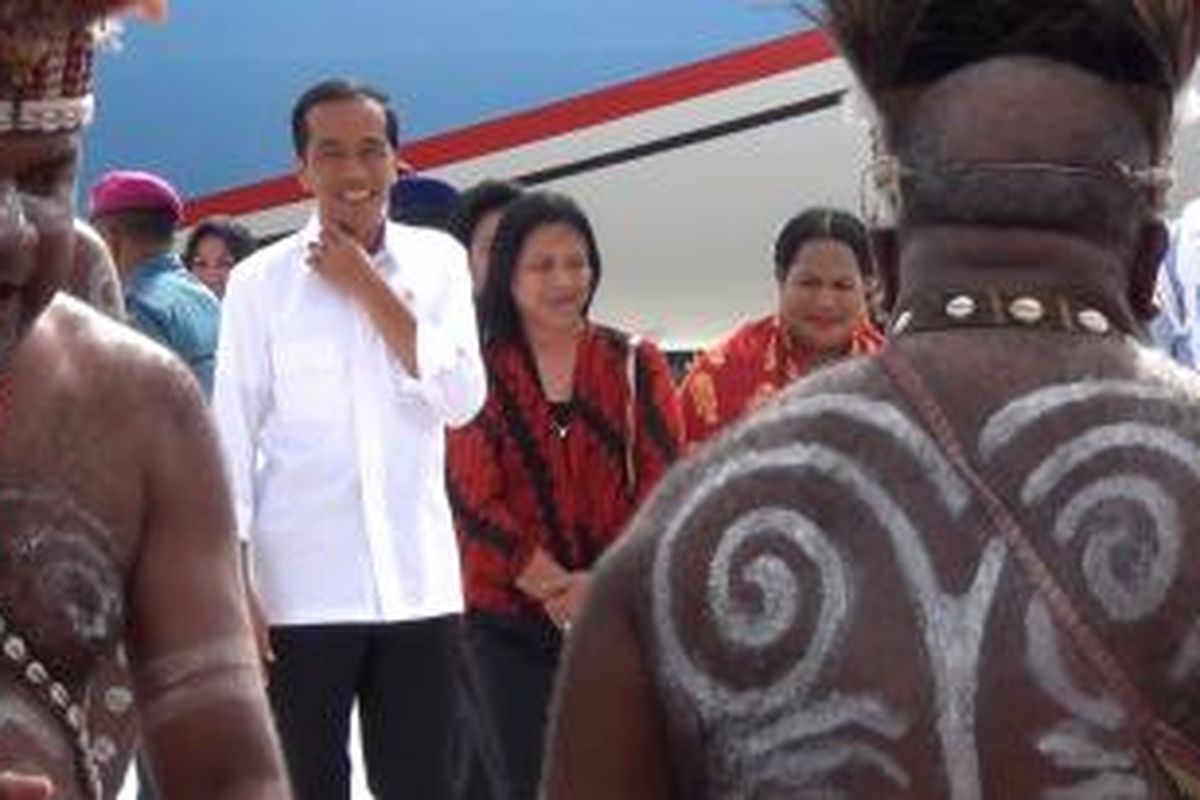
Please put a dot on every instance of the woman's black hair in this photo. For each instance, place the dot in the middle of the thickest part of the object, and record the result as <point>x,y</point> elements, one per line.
<point>822,223</point>
<point>498,316</point>
<point>237,238</point>
<point>479,201</point>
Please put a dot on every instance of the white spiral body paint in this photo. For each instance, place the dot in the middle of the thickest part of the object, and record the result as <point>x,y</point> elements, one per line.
<point>829,716</point>
<point>885,418</point>
<point>1104,787</point>
<point>798,770</point>
<point>1048,668</point>
<point>1113,514</point>
<point>776,582</point>
<point>1028,410</point>
<point>1122,601</point>
<point>1070,747</point>
<point>1103,439</point>
<point>952,627</point>
<point>83,584</point>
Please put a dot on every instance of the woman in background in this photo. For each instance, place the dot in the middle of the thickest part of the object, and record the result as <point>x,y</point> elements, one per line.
<point>476,220</point>
<point>825,277</point>
<point>581,421</point>
<point>215,245</point>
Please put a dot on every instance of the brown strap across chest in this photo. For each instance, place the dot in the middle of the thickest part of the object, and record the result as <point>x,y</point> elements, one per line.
<point>1174,752</point>
<point>5,404</point>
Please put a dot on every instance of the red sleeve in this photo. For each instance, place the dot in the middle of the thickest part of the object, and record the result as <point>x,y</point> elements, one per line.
<point>698,401</point>
<point>660,419</point>
<point>490,537</point>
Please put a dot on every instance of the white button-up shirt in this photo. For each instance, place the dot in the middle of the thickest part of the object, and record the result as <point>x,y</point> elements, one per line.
<point>336,454</point>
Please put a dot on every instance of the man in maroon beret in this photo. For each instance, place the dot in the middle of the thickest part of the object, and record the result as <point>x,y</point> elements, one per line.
<point>137,213</point>
<point>116,533</point>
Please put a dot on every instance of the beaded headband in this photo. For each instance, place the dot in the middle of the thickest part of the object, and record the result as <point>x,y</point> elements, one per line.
<point>47,49</point>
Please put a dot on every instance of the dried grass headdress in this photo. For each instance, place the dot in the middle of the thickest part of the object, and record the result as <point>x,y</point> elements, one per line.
<point>894,43</point>
<point>46,49</point>
<point>895,47</point>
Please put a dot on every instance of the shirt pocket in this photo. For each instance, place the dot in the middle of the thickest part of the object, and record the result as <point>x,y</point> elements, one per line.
<point>309,379</point>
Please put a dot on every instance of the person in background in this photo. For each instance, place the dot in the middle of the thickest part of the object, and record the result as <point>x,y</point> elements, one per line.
<point>479,212</point>
<point>95,280</point>
<point>346,350</point>
<point>580,423</point>
<point>116,532</point>
<point>967,567</point>
<point>213,247</point>
<point>429,202</point>
<point>422,200</point>
<point>824,276</point>
<point>137,214</point>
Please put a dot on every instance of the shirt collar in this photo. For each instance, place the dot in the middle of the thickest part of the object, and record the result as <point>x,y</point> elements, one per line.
<point>155,265</point>
<point>386,259</point>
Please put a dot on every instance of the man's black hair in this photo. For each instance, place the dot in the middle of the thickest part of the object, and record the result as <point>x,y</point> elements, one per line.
<point>477,202</point>
<point>822,223</point>
<point>499,318</point>
<point>337,90</point>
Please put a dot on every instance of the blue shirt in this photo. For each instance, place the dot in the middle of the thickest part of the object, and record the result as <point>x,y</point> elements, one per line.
<point>168,304</point>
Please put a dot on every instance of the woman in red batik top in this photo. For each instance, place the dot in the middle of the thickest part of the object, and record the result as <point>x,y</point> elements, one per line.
<point>580,423</point>
<point>825,276</point>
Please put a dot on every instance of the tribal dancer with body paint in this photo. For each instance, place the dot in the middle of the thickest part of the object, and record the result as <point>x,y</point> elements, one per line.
<point>837,601</point>
<point>116,531</point>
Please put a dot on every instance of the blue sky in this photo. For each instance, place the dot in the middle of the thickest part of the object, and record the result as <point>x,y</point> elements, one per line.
<point>206,98</point>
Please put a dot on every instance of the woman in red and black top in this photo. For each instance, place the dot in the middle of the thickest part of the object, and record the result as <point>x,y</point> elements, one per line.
<point>581,421</point>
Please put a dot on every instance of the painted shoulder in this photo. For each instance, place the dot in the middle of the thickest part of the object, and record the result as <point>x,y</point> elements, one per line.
<point>106,355</point>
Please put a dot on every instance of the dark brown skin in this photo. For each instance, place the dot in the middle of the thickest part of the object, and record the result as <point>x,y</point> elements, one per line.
<point>624,726</point>
<point>94,279</point>
<point>115,510</point>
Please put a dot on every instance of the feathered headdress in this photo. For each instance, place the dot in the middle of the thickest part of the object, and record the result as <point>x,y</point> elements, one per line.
<point>46,49</point>
<point>897,44</point>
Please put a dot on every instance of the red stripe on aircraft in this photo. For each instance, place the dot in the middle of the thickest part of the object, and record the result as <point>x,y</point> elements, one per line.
<point>556,119</point>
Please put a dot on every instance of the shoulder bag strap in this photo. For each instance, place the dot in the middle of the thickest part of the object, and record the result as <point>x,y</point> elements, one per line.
<point>1179,757</point>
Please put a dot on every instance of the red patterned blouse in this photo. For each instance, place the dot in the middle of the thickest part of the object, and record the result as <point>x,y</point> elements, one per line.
<point>523,474</point>
<point>741,373</point>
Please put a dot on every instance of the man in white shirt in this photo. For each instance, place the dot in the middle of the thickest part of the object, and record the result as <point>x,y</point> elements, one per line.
<point>345,351</point>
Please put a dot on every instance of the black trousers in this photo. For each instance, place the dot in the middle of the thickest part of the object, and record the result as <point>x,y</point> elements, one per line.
<point>517,660</point>
<point>404,678</point>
